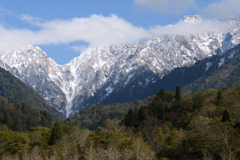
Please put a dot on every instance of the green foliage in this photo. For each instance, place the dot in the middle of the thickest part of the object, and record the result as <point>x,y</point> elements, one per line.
<point>3,127</point>
<point>17,124</point>
<point>13,142</point>
<point>160,112</point>
<point>7,119</point>
<point>129,119</point>
<point>92,117</point>
<point>226,117</point>
<point>24,108</point>
<point>158,130</point>
<point>56,134</point>
<point>15,90</point>
<point>194,126</point>
<point>28,125</point>
<point>161,93</point>
<point>21,118</point>
<point>142,115</point>
<point>178,93</point>
<point>219,98</point>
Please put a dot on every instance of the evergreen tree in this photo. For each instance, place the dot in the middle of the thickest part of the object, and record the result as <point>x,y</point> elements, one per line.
<point>56,134</point>
<point>44,113</point>
<point>219,98</point>
<point>154,106</point>
<point>43,123</point>
<point>129,118</point>
<point>28,124</point>
<point>80,112</point>
<point>17,105</point>
<point>7,119</point>
<point>24,108</point>
<point>161,93</point>
<point>17,126</point>
<point>226,116</point>
<point>160,112</point>
<point>142,115</point>
<point>178,93</point>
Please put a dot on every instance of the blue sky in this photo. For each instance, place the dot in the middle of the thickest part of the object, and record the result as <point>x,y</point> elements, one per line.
<point>64,29</point>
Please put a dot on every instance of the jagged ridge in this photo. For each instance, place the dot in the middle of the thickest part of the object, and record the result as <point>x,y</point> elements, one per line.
<point>99,74</point>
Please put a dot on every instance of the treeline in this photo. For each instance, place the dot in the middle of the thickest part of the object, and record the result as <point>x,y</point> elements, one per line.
<point>11,87</point>
<point>19,117</point>
<point>70,142</point>
<point>199,125</point>
<point>94,116</point>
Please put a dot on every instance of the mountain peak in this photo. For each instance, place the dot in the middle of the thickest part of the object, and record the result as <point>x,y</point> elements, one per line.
<point>192,19</point>
<point>101,74</point>
<point>232,19</point>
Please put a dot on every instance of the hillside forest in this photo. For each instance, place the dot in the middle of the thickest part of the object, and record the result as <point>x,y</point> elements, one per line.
<point>14,89</point>
<point>198,125</point>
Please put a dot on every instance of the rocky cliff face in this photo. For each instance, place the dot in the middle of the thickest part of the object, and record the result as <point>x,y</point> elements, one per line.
<point>119,73</point>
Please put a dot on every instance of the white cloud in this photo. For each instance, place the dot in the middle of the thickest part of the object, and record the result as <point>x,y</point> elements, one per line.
<point>30,19</point>
<point>223,9</point>
<point>95,30</point>
<point>80,49</point>
<point>165,6</point>
<point>190,28</point>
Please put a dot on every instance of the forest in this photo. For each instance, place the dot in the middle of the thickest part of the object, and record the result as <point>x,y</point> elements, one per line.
<point>92,117</point>
<point>13,88</point>
<point>169,126</point>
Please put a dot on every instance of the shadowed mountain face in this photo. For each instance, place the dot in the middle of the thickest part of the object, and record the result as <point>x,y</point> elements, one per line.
<point>120,73</point>
<point>217,71</point>
<point>12,88</point>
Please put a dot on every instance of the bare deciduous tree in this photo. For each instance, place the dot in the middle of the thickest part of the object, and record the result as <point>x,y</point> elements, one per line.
<point>90,151</point>
<point>35,154</point>
<point>25,154</point>
<point>127,153</point>
<point>227,155</point>
<point>6,157</point>
<point>113,153</point>
<point>99,154</point>
<point>142,151</point>
<point>206,155</point>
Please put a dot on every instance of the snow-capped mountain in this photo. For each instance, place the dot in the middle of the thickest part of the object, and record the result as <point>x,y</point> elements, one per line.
<point>110,74</point>
<point>217,72</point>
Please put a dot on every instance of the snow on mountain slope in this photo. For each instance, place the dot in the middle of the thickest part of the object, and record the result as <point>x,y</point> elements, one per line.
<point>100,74</point>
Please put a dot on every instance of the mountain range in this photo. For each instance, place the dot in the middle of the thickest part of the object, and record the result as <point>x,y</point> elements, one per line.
<point>117,73</point>
<point>217,72</point>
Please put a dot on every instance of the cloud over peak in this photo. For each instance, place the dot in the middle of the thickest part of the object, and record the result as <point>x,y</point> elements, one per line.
<point>96,30</point>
